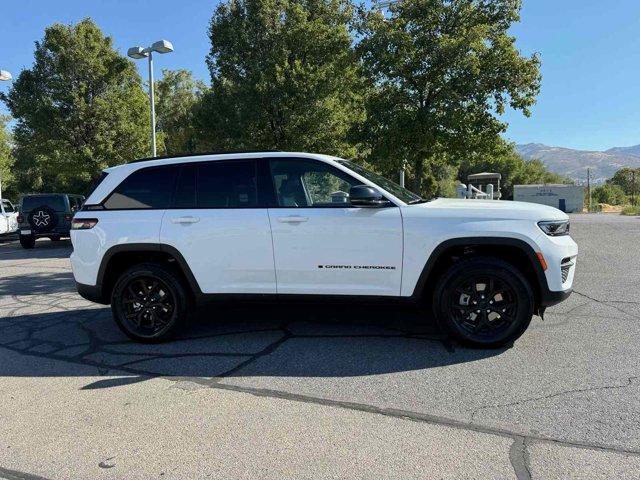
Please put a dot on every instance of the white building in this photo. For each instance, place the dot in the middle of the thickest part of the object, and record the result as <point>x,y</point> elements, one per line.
<point>568,198</point>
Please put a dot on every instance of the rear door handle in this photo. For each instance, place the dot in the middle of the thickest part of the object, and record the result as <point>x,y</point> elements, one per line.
<point>293,219</point>
<point>188,219</point>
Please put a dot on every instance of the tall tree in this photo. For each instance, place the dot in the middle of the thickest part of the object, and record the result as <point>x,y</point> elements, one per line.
<point>444,71</point>
<point>79,108</point>
<point>177,95</point>
<point>629,180</point>
<point>283,76</point>
<point>6,161</point>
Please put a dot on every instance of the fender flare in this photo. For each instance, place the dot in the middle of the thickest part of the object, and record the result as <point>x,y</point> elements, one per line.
<point>148,247</point>
<point>526,248</point>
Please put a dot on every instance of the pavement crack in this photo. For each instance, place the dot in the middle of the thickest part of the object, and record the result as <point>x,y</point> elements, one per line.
<point>518,457</point>
<point>628,383</point>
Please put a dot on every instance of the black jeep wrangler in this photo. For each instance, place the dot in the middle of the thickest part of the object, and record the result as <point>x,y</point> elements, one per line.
<point>46,215</point>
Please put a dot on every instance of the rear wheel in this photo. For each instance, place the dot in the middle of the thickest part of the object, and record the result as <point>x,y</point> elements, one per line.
<point>483,302</point>
<point>149,303</point>
<point>28,241</point>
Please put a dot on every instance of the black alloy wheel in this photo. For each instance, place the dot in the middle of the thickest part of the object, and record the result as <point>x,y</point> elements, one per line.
<point>484,302</point>
<point>149,303</point>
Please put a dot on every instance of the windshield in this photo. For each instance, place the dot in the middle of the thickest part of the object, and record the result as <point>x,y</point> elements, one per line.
<point>54,202</point>
<point>392,187</point>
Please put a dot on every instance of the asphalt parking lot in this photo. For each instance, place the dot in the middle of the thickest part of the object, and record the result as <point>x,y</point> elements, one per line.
<point>322,392</point>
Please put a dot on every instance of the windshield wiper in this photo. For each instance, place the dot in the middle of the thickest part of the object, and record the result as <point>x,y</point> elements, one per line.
<point>418,200</point>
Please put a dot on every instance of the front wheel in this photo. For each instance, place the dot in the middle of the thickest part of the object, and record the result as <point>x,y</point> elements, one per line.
<point>483,302</point>
<point>28,241</point>
<point>149,303</point>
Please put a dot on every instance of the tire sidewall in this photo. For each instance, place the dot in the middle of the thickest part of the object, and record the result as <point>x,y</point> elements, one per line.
<point>27,241</point>
<point>177,290</point>
<point>500,269</point>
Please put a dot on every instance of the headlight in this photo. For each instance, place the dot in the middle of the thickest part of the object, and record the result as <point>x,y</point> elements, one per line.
<point>555,228</point>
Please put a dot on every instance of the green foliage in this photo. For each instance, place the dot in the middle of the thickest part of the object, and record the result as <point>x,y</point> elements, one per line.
<point>443,70</point>
<point>624,178</point>
<point>79,108</point>
<point>7,178</point>
<point>609,193</point>
<point>176,97</point>
<point>631,210</point>
<point>283,76</point>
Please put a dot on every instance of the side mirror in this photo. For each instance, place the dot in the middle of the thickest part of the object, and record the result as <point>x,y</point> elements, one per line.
<point>366,196</point>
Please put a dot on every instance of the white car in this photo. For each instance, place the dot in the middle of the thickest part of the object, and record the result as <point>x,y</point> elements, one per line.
<point>8,217</point>
<point>159,236</point>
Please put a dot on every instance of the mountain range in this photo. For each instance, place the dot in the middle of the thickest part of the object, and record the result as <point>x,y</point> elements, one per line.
<point>574,163</point>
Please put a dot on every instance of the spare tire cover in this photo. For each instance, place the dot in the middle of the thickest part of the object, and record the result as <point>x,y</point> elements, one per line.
<point>42,219</point>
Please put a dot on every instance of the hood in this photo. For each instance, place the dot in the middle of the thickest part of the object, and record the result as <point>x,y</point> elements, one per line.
<point>497,209</point>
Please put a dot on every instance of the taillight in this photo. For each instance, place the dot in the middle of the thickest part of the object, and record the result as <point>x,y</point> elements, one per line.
<point>83,223</point>
<point>20,218</point>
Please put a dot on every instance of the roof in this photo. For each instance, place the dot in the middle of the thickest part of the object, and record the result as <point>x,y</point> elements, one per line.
<point>483,175</point>
<point>546,185</point>
<point>197,157</point>
<point>184,155</point>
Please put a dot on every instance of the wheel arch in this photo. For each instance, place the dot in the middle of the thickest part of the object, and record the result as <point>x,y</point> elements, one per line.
<point>121,257</point>
<point>517,252</point>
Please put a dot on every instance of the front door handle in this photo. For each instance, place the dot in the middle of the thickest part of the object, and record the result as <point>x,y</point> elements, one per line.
<point>293,219</point>
<point>188,219</point>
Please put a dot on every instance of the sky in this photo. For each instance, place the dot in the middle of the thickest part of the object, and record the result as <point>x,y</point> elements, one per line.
<point>590,51</point>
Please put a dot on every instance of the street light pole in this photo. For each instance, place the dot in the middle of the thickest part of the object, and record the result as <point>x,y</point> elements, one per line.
<point>153,107</point>
<point>137,53</point>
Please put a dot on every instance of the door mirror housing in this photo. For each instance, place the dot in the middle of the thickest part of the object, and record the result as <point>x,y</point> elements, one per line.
<point>366,196</point>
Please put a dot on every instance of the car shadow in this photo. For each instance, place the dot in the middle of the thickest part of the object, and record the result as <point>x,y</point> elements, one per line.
<point>233,341</point>
<point>44,248</point>
<point>42,283</point>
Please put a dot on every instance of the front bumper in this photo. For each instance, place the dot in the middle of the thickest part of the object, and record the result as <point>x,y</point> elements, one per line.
<point>93,293</point>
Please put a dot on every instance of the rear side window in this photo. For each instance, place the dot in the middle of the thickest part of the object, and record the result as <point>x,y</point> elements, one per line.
<point>54,202</point>
<point>225,184</point>
<point>144,189</point>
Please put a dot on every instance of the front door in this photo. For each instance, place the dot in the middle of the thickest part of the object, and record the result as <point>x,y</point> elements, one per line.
<point>322,244</point>
<point>218,226</point>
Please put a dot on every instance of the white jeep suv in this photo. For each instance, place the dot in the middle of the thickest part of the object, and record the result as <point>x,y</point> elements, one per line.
<point>157,237</point>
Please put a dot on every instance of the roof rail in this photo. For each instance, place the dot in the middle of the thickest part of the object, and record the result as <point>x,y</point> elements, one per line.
<point>201,154</point>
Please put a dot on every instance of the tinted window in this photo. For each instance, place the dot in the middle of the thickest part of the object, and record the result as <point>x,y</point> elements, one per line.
<point>308,183</point>
<point>54,202</point>
<point>186,189</point>
<point>227,185</point>
<point>147,188</point>
<point>8,208</point>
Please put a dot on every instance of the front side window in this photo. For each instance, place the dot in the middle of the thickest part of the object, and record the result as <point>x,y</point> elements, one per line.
<point>392,187</point>
<point>310,183</point>
<point>145,189</point>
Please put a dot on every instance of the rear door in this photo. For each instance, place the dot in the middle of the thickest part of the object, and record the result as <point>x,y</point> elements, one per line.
<point>323,244</point>
<point>220,227</point>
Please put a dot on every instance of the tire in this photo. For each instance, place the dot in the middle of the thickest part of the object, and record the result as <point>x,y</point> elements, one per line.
<point>504,302</point>
<point>27,241</point>
<point>144,319</point>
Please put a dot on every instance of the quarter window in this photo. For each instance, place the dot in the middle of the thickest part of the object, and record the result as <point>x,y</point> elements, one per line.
<point>146,188</point>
